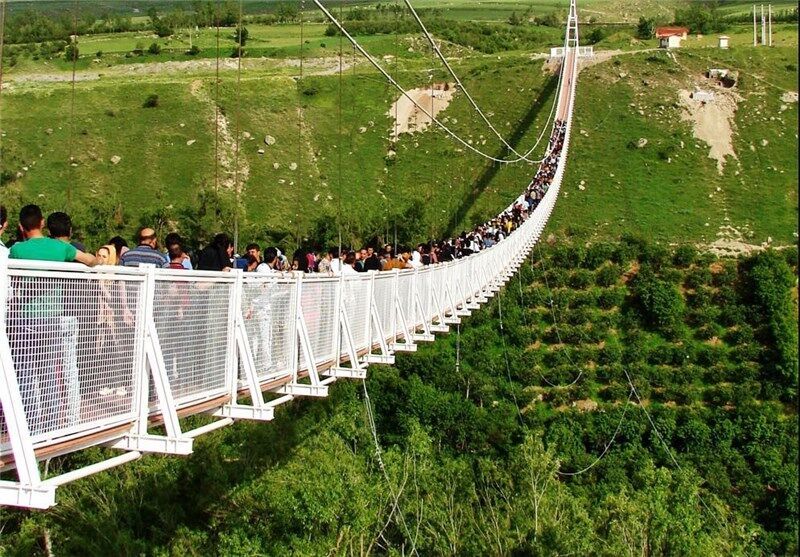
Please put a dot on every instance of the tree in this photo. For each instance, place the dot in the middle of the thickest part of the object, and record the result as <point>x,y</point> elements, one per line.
<point>660,303</point>
<point>514,19</point>
<point>646,28</point>
<point>240,36</point>
<point>71,53</point>
<point>154,49</point>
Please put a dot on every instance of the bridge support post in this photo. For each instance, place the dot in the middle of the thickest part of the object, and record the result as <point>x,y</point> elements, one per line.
<point>315,388</point>
<point>344,335</point>
<point>174,442</point>
<point>375,329</point>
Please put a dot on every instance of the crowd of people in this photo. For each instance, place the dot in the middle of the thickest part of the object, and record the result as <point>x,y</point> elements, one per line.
<point>218,255</point>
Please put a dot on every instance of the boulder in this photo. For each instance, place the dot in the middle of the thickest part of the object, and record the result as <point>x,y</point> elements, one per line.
<point>115,159</point>
<point>269,140</point>
<point>642,143</point>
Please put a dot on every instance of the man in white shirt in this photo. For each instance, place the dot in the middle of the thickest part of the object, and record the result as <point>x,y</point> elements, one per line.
<point>267,267</point>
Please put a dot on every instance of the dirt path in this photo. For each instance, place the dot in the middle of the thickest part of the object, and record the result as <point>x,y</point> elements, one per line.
<point>227,144</point>
<point>311,67</point>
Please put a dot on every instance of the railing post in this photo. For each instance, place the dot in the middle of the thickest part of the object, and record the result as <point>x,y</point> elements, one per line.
<point>234,315</point>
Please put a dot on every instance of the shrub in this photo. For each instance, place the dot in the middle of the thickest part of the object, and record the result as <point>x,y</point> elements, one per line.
<point>151,101</point>
<point>684,256</point>
<point>660,304</point>
<point>71,52</point>
<point>742,334</point>
<point>611,298</point>
<point>154,49</point>
<point>675,276</point>
<point>556,278</point>
<point>193,50</point>
<point>581,279</point>
<point>608,275</point>
<point>697,278</point>
<point>767,282</point>
<point>726,276</point>
<point>597,254</point>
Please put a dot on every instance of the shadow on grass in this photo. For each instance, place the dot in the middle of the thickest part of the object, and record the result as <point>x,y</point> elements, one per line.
<point>491,171</point>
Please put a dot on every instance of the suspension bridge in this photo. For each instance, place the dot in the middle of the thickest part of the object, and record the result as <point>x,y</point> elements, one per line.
<point>238,347</point>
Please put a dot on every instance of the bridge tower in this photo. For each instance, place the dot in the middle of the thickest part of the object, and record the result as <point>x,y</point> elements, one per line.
<point>572,26</point>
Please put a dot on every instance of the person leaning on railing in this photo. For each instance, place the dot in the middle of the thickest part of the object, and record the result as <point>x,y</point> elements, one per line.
<point>43,336</point>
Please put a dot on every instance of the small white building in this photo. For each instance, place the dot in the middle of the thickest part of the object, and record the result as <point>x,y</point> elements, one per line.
<point>671,37</point>
<point>723,41</point>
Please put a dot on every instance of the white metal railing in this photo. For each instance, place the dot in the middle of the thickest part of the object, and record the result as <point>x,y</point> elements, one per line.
<point>98,356</point>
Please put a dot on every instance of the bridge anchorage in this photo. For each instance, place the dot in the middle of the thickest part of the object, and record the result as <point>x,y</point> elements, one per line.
<point>228,346</point>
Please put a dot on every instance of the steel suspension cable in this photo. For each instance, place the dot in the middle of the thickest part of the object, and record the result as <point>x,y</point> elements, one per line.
<point>216,106</point>
<point>74,56</point>
<point>665,444</point>
<point>2,61</point>
<point>452,72</point>
<point>237,174</point>
<point>339,145</point>
<point>608,445</point>
<point>424,110</point>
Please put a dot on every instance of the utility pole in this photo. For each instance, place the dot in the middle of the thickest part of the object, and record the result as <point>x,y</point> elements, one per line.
<point>770,25</point>
<point>763,26</point>
<point>755,27</point>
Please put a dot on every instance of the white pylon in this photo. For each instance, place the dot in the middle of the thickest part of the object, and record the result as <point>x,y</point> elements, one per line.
<point>572,25</point>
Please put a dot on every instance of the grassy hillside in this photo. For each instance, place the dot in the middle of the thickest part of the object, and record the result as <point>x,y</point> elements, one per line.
<point>330,175</point>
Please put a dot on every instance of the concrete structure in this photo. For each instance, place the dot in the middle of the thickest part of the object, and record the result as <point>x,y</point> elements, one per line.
<point>703,96</point>
<point>723,41</point>
<point>671,37</point>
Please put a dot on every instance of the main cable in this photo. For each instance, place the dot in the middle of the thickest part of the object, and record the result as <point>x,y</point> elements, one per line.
<point>452,72</point>
<point>391,80</point>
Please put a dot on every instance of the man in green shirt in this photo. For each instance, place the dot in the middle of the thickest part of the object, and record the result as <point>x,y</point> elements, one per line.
<point>44,339</point>
<point>37,246</point>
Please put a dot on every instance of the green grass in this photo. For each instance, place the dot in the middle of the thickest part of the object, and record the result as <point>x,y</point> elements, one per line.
<point>679,200</point>
<point>433,187</point>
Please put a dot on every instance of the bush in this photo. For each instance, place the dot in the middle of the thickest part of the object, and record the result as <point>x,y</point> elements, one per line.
<point>660,303</point>
<point>767,283</point>
<point>684,256</point>
<point>697,278</point>
<point>154,49</point>
<point>151,101</point>
<point>598,254</point>
<point>581,279</point>
<point>71,52</point>
<point>194,50</point>
<point>611,298</point>
<point>608,275</point>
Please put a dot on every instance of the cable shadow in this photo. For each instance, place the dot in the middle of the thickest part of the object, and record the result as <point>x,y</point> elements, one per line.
<point>489,173</point>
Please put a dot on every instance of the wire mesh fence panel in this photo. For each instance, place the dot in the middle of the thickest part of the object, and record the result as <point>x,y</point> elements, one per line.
<point>355,299</point>
<point>267,310</point>
<point>384,301</point>
<point>424,294</point>
<point>75,344</point>
<point>318,304</point>
<point>405,293</point>
<point>192,316</point>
